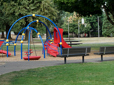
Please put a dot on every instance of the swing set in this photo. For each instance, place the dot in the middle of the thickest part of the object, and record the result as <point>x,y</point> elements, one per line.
<point>28,28</point>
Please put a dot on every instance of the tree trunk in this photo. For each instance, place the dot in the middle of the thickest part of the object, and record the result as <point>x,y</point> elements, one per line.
<point>26,33</point>
<point>2,36</point>
<point>107,14</point>
<point>47,34</point>
<point>72,34</point>
<point>7,29</point>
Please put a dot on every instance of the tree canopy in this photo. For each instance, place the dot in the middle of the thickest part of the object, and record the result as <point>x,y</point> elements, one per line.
<point>107,28</point>
<point>88,7</point>
<point>11,10</point>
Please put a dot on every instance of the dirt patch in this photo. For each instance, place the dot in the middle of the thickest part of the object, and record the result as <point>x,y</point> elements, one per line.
<point>48,58</point>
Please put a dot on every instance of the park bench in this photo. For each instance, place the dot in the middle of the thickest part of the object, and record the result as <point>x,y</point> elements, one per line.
<point>105,50</point>
<point>75,51</point>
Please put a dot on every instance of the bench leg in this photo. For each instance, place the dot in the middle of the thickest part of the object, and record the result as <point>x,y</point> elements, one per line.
<point>64,60</point>
<point>82,59</point>
<point>101,57</point>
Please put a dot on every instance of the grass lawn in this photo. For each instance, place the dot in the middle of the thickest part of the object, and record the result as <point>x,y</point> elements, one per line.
<point>39,47</point>
<point>25,47</point>
<point>96,46</point>
<point>101,73</point>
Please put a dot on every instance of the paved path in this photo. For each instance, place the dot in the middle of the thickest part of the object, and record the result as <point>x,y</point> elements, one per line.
<point>6,67</point>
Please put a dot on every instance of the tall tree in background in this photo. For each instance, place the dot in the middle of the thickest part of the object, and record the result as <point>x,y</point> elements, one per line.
<point>85,28</point>
<point>72,21</point>
<point>14,9</point>
<point>108,28</point>
<point>5,19</point>
<point>92,20</point>
<point>88,7</point>
<point>75,24</point>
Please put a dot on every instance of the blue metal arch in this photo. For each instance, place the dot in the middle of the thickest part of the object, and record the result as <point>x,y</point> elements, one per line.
<point>16,40</point>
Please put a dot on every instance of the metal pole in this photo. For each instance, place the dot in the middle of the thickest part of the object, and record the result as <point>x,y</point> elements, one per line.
<point>68,27</point>
<point>98,27</point>
<point>78,28</point>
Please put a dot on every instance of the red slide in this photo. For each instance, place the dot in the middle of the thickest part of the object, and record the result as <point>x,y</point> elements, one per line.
<point>1,41</point>
<point>5,52</point>
<point>57,38</point>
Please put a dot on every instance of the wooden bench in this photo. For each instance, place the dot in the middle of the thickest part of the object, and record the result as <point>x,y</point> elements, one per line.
<point>105,50</point>
<point>75,51</point>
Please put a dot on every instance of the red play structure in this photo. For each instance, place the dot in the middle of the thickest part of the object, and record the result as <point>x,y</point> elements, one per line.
<point>52,48</point>
<point>57,38</point>
<point>3,51</point>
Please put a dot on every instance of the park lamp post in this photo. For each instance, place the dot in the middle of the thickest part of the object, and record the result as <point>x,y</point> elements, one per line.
<point>78,28</point>
<point>68,27</point>
<point>98,27</point>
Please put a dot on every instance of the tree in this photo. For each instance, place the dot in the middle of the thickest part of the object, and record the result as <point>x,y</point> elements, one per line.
<point>85,28</point>
<point>14,9</point>
<point>108,28</point>
<point>4,18</point>
<point>88,7</point>
<point>92,20</point>
<point>72,20</point>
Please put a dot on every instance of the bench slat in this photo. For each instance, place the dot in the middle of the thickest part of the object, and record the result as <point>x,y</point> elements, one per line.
<point>105,50</point>
<point>75,51</point>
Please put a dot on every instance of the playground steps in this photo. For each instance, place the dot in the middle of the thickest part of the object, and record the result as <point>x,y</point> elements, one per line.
<point>52,49</point>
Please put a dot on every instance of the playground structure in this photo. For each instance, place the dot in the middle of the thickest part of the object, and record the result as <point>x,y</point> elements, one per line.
<point>52,45</point>
<point>28,53</point>
<point>29,28</point>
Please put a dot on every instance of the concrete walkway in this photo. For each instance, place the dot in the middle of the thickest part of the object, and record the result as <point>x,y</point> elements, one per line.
<point>6,67</point>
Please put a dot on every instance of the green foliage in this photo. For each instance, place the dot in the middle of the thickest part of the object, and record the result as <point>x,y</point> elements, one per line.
<point>88,7</point>
<point>81,6</point>
<point>74,22</point>
<point>108,28</point>
<point>73,26</point>
<point>11,10</point>
<point>93,24</point>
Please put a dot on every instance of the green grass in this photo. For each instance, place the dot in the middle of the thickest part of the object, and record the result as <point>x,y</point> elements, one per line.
<point>38,40</point>
<point>39,47</point>
<point>95,46</point>
<point>69,74</point>
<point>25,47</point>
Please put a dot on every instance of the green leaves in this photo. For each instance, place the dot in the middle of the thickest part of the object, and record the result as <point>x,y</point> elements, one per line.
<point>88,7</point>
<point>108,28</point>
<point>11,10</point>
